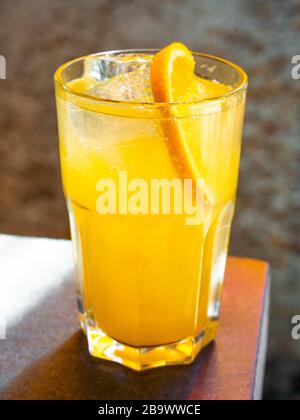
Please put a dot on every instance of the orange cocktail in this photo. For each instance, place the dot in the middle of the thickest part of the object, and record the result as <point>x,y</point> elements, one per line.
<point>132,125</point>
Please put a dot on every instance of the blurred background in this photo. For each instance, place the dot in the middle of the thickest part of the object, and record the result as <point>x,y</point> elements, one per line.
<point>37,36</point>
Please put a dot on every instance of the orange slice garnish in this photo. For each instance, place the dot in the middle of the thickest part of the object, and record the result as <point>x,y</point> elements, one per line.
<point>173,81</point>
<point>172,73</point>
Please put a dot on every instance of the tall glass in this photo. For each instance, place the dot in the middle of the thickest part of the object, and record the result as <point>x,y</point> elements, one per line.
<point>149,281</point>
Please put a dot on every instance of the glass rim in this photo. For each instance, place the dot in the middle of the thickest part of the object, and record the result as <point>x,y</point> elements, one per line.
<point>242,85</point>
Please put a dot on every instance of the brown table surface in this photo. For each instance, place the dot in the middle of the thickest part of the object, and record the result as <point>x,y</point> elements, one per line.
<point>45,355</point>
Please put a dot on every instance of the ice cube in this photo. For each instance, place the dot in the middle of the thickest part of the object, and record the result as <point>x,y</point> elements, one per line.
<point>106,67</point>
<point>121,78</point>
<point>133,87</point>
<point>118,78</point>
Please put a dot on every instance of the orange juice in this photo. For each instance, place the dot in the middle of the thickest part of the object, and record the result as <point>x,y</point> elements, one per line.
<point>149,284</point>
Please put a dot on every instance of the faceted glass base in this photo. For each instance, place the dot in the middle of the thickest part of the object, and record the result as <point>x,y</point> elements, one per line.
<point>141,358</point>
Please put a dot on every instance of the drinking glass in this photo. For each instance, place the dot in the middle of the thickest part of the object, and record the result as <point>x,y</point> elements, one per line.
<point>149,282</point>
